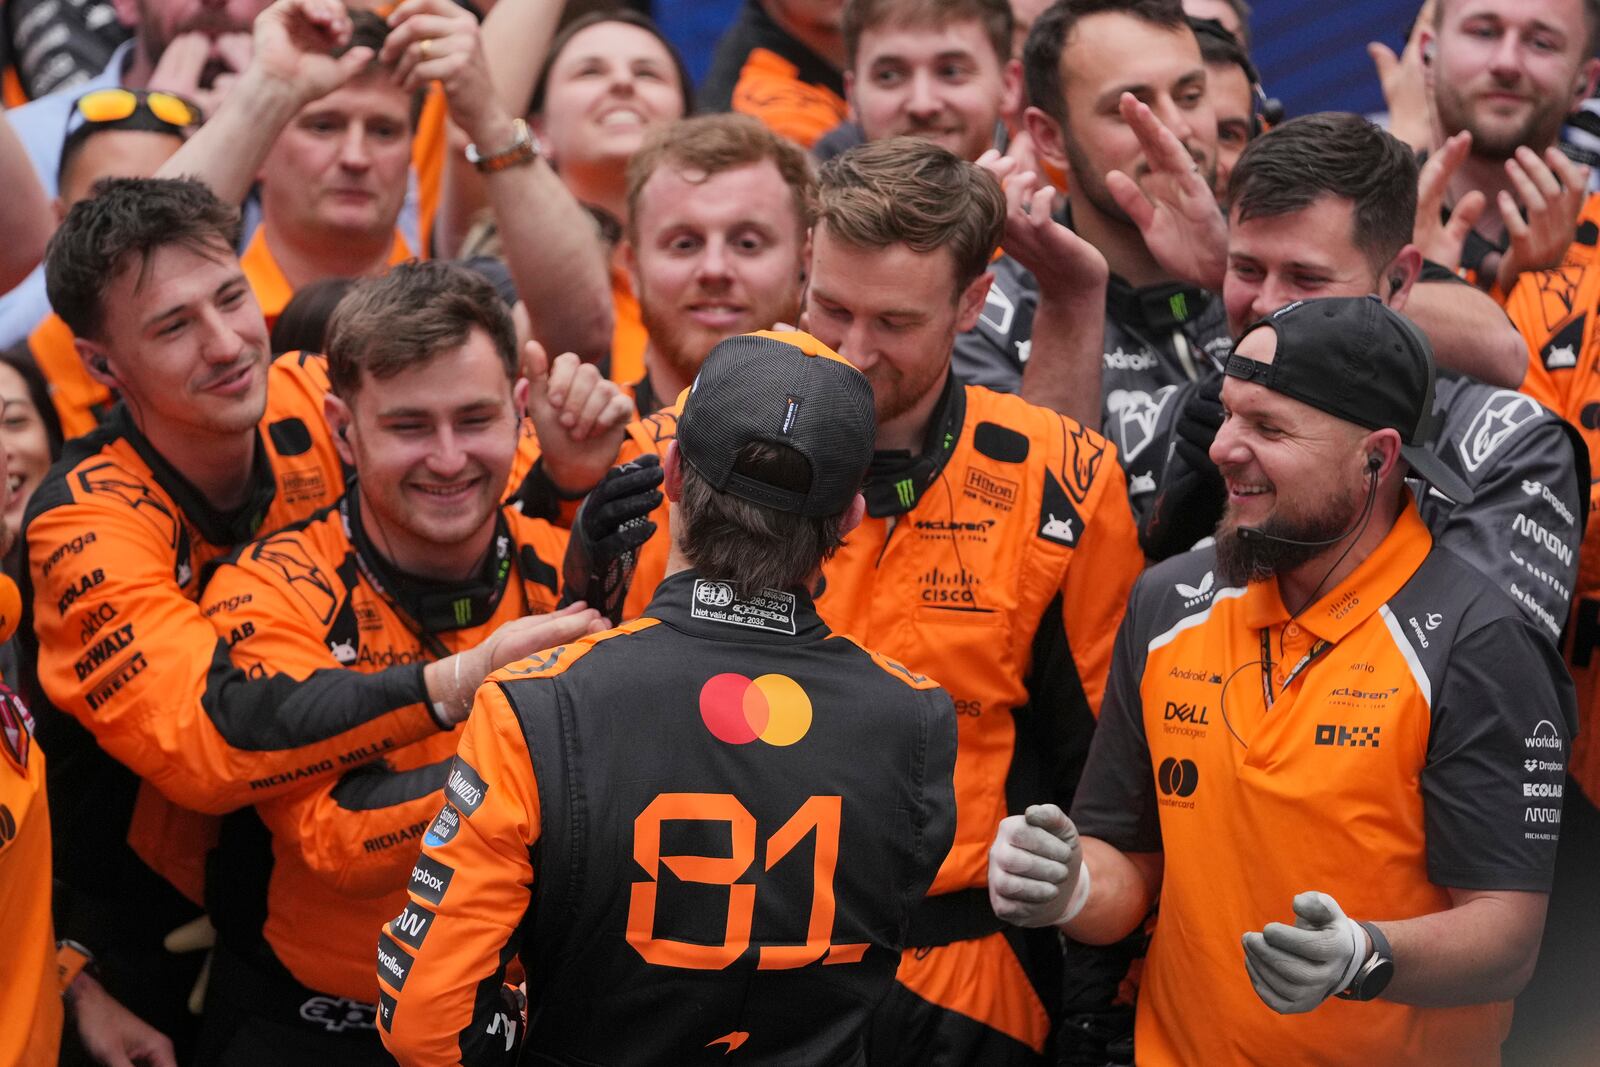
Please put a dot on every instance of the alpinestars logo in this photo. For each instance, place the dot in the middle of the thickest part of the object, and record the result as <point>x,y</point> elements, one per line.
<point>1194,595</point>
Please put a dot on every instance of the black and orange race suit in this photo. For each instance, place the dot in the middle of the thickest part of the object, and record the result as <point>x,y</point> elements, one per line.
<point>30,996</point>
<point>1558,312</point>
<point>314,597</point>
<point>136,701</point>
<point>705,833</point>
<point>998,562</point>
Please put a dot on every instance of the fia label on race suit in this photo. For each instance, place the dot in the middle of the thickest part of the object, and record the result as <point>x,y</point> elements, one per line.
<point>767,610</point>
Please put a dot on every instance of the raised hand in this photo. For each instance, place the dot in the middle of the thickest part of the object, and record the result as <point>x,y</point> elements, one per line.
<point>1441,239</point>
<point>1542,219</point>
<point>1059,259</point>
<point>438,41</point>
<point>1405,86</point>
<point>1173,205</point>
<point>293,41</point>
<point>579,416</point>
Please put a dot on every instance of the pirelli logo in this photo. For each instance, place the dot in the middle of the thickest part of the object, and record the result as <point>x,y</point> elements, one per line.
<point>465,788</point>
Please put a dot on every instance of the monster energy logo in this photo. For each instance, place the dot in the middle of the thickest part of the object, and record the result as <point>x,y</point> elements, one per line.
<point>906,490</point>
<point>1179,304</point>
<point>463,610</point>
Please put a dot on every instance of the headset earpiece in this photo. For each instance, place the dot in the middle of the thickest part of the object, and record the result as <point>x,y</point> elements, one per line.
<point>1374,463</point>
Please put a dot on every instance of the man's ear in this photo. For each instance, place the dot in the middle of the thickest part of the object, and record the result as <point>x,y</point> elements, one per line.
<point>1010,89</point>
<point>519,402</point>
<point>970,304</point>
<point>1584,85</point>
<point>1394,284</point>
<point>672,472</point>
<point>96,362</point>
<point>630,263</point>
<point>1048,139</point>
<point>853,515</point>
<point>339,417</point>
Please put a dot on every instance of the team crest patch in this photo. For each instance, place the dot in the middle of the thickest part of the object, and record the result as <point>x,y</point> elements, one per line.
<point>1058,519</point>
<point>768,610</point>
<point>16,729</point>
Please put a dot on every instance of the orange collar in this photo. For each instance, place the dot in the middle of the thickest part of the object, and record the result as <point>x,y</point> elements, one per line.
<point>1363,591</point>
<point>272,289</point>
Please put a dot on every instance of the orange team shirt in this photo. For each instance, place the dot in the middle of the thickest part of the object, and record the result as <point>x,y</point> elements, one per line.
<point>30,996</point>
<point>78,398</point>
<point>1399,756</point>
<point>1557,312</point>
<point>430,147</point>
<point>770,88</point>
<point>628,337</point>
<point>272,289</point>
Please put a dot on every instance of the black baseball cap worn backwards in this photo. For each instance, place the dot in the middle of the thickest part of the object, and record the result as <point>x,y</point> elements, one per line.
<point>1360,361</point>
<point>785,389</point>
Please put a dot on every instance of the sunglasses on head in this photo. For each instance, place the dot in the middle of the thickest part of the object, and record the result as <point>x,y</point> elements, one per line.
<point>115,105</point>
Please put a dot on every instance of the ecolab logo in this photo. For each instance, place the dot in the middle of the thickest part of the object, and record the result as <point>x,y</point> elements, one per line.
<point>1542,789</point>
<point>1544,736</point>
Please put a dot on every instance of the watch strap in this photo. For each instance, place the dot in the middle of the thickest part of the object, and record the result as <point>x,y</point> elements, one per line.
<point>522,150</point>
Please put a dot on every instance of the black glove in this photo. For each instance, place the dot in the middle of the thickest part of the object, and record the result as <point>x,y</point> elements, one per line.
<point>1191,493</point>
<point>611,526</point>
<point>1197,424</point>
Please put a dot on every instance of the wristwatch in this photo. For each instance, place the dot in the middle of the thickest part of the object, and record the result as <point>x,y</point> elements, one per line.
<point>1372,978</point>
<point>523,149</point>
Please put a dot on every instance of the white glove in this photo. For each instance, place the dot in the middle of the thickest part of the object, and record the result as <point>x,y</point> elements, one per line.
<point>1034,867</point>
<point>1295,968</point>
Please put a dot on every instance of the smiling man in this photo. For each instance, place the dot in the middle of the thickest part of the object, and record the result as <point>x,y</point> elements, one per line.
<point>1361,706</point>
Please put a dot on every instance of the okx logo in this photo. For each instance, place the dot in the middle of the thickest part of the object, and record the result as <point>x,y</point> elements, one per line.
<point>1177,777</point>
<point>738,710</point>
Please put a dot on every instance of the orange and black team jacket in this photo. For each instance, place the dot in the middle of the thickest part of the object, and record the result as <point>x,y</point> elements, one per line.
<point>760,70</point>
<point>1403,736</point>
<point>319,597</point>
<point>1558,313</point>
<point>705,834</point>
<point>136,701</point>
<point>998,562</point>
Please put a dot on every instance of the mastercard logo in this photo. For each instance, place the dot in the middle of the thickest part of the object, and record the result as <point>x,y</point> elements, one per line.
<point>772,708</point>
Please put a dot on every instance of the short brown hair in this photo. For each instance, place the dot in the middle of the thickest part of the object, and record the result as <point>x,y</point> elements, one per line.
<point>123,219</point>
<point>1337,154</point>
<point>594,18</point>
<point>707,145</point>
<point>863,15</point>
<point>748,545</point>
<point>905,190</point>
<point>1041,52</point>
<point>407,317</point>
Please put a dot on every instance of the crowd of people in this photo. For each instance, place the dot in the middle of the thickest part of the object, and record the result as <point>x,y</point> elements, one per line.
<point>969,537</point>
